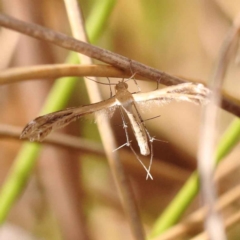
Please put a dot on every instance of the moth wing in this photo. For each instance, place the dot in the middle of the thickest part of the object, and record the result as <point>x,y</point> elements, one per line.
<point>190,92</point>
<point>39,128</point>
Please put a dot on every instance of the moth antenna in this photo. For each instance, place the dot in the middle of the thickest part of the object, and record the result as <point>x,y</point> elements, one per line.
<point>100,82</point>
<point>111,94</point>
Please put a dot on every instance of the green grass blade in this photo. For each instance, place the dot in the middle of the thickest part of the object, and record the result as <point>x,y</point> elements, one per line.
<point>97,19</point>
<point>229,140</point>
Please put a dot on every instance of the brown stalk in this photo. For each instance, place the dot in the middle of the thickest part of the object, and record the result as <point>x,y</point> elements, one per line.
<point>206,155</point>
<point>103,55</point>
<point>161,169</point>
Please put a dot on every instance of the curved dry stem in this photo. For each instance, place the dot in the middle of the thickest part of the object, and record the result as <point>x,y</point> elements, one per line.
<point>161,169</point>
<point>103,55</point>
<point>49,71</point>
<point>213,222</point>
<point>89,50</point>
<point>229,102</point>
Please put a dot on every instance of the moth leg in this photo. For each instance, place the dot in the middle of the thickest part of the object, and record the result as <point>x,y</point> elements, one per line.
<point>150,138</point>
<point>128,144</point>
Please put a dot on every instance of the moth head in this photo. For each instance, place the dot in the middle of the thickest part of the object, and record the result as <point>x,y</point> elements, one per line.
<point>121,86</point>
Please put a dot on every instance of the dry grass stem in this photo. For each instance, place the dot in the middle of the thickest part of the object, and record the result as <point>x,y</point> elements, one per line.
<point>228,223</point>
<point>193,223</point>
<point>161,170</point>
<point>109,143</point>
<point>103,55</point>
<point>213,222</point>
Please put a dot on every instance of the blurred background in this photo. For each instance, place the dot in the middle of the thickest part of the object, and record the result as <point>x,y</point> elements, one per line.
<point>68,189</point>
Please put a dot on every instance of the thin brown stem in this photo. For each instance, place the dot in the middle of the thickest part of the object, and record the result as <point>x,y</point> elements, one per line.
<point>103,55</point>
<point>87,49</point>
<point>162,170</point>
<point>18,74</point>
<point>50,71</point>
<point>213,222</point>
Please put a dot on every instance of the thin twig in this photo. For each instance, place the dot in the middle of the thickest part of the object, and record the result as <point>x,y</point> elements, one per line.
<point>56,139</point>
<point>103,55</point>
<point>50,71</point>
<point>89,50</point>
<point>161,169</point>
<point>18,74</point>
<point>213,222</point>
